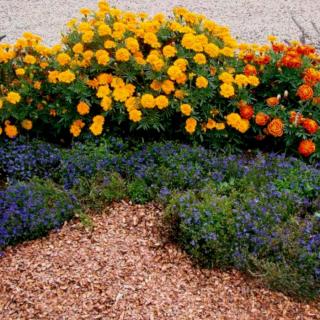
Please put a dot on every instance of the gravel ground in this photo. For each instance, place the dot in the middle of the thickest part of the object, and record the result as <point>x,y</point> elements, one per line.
<point>124,269</point>
<point>250,20</point>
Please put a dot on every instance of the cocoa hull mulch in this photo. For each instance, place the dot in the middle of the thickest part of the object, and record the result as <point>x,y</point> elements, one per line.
<point>125,269</point>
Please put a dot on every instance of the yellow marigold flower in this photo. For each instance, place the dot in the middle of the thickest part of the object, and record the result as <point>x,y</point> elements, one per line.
<point>182,79</point>
<point>87,37</point>
<point>241,80</point>
<point>253,81</point>
<point>78,48</point>
<point>167,86</point>
<point>88,54</point>
<point>155,85</point>
<point>200,58</point>
<point>211,124</point>
<point>121,94</point>
<point>20,72</point>
<point>174,72</point>
<point>186,109</point>
<point>191,125</point>
<point>104,30</point>
<point>131,103</point>
<point>212,50</point>
<point>37,85</point>
<point>151,39</point>
<point>103,91</point>
<point>66,76</point>
<point>83,108</point>
<point>132,44</point>
<point>181,64</point>
<point>272,38</point>
<point>26,124</point>
<point>188,40</point>
<point>135,115</point>
<point>228,52</point>
<point>0,131</point>
<point>1,103</point>
<point>201,82</point>
<point>29,59</point>
<point>130,88</point>
<point>53,76</point>
<point>98,119</point>
<point>13,97</point>
<point>104,78</point>
<point>169,51</point>
<point>117,82</point>
<point>96,128</point>
<point>103,59</point>
<point>122,54</point>
<point>220,126</point>
<point>179,94</point>
<point>109,44</point>
<point>63,59</point>
<point>162,102</point>
<point>43,65</point>
<point>226,77</point>
<point>234,120</point>
<point>84,27</point>
<point>227,90</point>
<point>85,11</point>
<point>148,101</point>
<point>71,23</point>
<point>11,131</point>
<point>106,103</point>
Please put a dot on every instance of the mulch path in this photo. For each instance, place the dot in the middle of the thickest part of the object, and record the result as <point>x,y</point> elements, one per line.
<point>125,269</point>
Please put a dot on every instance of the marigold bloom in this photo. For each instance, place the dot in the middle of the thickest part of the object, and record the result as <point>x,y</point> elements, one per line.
<point>104,30</point>
<point>253,81</point>
<point>106,103</point>
<point>305,92</point>
<point>122,54</point>
<point>135,115</point>
<point>310,126</point>
<point>78,48</point>
<point>212,50</point>
<point>211,124</point>
<point>11,131</point>
<point>167,86</point>
<point>66,76</point>
<point>186,109</point>
<point>272,101</point>
<point>63,59</point>
<point>26,124</point>
<point>201,82</point>
<point>246,111</point>
<point>227,90</point>
<point>13,97</point>
<point>29,59</point>
<point>191,125</point>
<point>200,58</point>
<point>250,70</point>
<point>87,37</point>
<point>169,51</point>
<point>275,127</point>
<point>226,77</point>
<point>241,80</point>
<point>148,101</point>
<point>306,148</point>
<point>261,119</point>
<point>83,108</point>
<point>132,44</point>
<point>20,72</point>
<point>162,102</point>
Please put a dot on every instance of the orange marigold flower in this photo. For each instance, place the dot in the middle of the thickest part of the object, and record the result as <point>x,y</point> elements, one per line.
<point>310,125</point>
<point>250,70</point>
<point>275,127</point>
<point>272,101</point>
<point>186,109</point>
<point>262,119</point>
<point>305,92</point>
<point>83,108</point>
<point>191,125</point>
<point>306,148</point>
<point>26,124</point>
<point>148,101</point>
<point>11,131</point>
<point>246,111</point>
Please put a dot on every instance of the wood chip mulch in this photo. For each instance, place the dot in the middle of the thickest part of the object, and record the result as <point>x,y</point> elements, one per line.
<point>125,269</point>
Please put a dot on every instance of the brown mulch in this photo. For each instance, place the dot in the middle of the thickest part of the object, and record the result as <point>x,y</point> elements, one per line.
<point>124,269</point>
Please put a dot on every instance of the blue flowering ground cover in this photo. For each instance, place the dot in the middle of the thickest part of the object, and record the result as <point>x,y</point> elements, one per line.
<point>256,212</point>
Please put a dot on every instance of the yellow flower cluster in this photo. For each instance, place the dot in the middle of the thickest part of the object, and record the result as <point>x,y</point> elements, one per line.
<point>234,120</point>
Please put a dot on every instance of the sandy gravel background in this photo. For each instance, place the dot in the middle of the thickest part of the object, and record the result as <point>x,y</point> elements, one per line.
<point>250,20</point>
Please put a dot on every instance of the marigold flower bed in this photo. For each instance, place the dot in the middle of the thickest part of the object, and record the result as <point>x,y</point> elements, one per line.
<point>184,76</point>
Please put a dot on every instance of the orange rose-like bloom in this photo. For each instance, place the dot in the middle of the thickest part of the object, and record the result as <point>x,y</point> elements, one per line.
<point>306,148</point>
<point>310,126</point>
<point>246,111</point>
<point>272,101</point>
<point>262,119</point>
<point>305,92</point>
<point>275,127</point>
